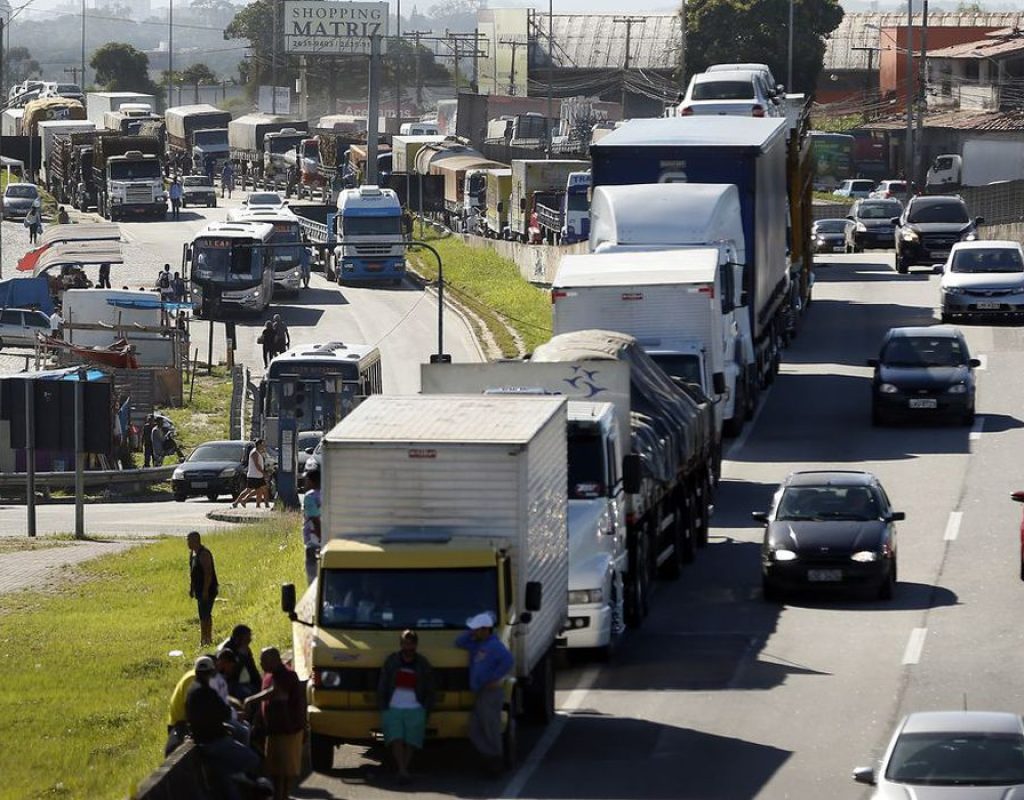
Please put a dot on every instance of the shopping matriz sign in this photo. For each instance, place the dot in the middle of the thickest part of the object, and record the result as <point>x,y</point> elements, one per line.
<point>324,27</point>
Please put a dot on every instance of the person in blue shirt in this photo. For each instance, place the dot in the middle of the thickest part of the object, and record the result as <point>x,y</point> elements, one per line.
<point>489,662</point>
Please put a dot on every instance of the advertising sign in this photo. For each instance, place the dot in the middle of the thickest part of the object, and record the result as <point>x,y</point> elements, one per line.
<point>328,27</point>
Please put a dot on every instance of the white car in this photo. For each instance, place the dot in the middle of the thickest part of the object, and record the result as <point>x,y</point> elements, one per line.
<point>983,279</point>
<point>856,188</point>
<point>887,189</point>
<point>197,190</point>
<point>262,200</point>
<point>775,89</point>
<point>736,93</point>
<point>18,198</point>
<point>19,326</point>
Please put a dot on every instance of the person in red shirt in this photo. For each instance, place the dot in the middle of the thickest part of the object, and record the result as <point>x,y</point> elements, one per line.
<point>405,696</point>
<point>283,709</point>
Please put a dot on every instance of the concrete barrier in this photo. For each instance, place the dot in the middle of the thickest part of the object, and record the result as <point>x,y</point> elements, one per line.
<point>128,480</point>
<point>1014,231</point>
<point>180,776</point>
<point>537,263</point>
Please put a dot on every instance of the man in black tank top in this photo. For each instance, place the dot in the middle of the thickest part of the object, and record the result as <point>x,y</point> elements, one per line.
<point>202,585</point>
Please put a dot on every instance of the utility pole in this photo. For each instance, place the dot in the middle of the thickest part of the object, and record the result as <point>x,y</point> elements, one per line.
<point>416,36</point>
<point>170,53</point>
<point>398,63</point>
<point>629,22</point>
<point>922,98</point>
<point>515,44</point>
<point>83,44</point>
<point>273,62</point>
<point>372,113</point>
<point>551,71</point>
<point>74,72</point>
<point>908,155</point>
<point>454,42</point>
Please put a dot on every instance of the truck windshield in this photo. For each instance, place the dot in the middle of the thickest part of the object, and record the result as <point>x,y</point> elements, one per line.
<point>577,201</point>
<point>282,144</point>
<point>225,262</point>
<point>586,463</point>
<point>134,170</point>
<point>396,599</point>
<point>681,366</point>
<point>210,137</point>
<point>372,226</point>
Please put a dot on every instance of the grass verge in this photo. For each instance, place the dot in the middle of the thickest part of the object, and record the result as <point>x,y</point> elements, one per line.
<point>207,416</point>
<point>88,674</point>
<point>491,287</point>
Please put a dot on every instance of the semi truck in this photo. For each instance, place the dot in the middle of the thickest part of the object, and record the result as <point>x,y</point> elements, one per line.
<point>69,175</point>
<point>464,185</point>
<point>99,104</point>
<point>369,234</point>
<point>753,157</point>
<point>597,526</point>
<point>198,132</point>
<point>435,509</point>
<point>680,218</point>
<point>128,119</point>
<point>10,121</point>
<point>261,141</point>
<point>565,218</point>
<point>667,472</point>
<point>533,182</point>
<point>49,108</point>
<point>50,131</point>
<point>128,174</point>
<point>499,189</point>
<point>405,147</point>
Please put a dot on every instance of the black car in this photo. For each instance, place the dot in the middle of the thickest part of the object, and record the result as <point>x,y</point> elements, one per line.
<point>928,229</point>
<point>923,372</point>
<point>871,224</point>
<point>828,529</point>
<point>212,469</point>
<point>829,235</point>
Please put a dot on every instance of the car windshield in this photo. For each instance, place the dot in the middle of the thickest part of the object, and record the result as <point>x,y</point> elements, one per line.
<point>265,199</point>
<point>861,186</point>
<point>22,190</point>
<point>830,226</point>
<point>723,90</point>
<point>218,452</point>
<point>988,259</point>
<point>938,212</point>
<point>957,759</point>
<point>198,180</point>
<point>828,502</point>
<point>879,210</point>
<point>396,599</point>
<point>924,351</point>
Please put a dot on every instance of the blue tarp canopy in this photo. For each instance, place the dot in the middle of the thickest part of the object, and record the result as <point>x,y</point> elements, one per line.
<point>25,293</point>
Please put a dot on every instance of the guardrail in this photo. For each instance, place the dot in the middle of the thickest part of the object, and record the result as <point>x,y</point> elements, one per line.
<point>101,477</point>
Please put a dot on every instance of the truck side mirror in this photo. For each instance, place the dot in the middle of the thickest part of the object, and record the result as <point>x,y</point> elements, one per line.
<point>501,207</point>
<point>534,596</point>
<point>288,598</point>
<point>631,474</point>
<point>522,204</point>
<point>718,382</point>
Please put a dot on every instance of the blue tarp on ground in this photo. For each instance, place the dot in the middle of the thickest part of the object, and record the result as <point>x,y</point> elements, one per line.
<point>26,293</point>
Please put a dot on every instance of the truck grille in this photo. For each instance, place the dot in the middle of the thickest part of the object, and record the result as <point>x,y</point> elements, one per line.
<point>364,679</point>
<point>373,249</point>
<point>139,194</point>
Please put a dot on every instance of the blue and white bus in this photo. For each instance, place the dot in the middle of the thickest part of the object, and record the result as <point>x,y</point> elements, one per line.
<point>312,388</point>
<point>228,265</point>
<point>368,227</point>
<point>288,252</point>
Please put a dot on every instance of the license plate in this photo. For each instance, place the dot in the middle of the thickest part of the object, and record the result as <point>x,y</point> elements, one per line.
<point>940,254</point>
<point>989,306</point>
<point>374,266</point>
<point>198,484</point>
<point>927,402</point>
<point>838,249</point>
<point>824,575</point>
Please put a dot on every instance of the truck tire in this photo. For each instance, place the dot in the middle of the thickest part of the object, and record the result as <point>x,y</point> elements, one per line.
<point>540,696</point>
<point>733,426</point>
<point>638,587</point>
<point>703,527</point>
<point>321,752</point>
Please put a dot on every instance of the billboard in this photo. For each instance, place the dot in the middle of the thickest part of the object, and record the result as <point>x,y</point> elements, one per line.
<point>328,27</point>
<point>275,100</point>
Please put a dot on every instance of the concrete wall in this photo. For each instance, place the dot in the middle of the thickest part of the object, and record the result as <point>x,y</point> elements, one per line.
<point>1014,231</point>
<point>178,777</point>
<point>537,263</point>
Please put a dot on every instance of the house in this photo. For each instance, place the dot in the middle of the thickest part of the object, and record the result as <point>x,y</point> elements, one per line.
<point>979,75</point>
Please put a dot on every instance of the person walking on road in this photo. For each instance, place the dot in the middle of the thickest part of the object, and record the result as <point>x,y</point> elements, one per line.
<point>147,441</point>
<point>268,339</point>
<point>489,662</point>
<point>405,696</point>
<point>255,475</point>
<point>227,180</point>
<point>177,288</point>
<point>174,193</point>
<point>34,222</point>
<point>104,276</point>
<point>311,531</point>
<point>203,586</point>
<point>283,709</point>
<point>62,216</point>
<point>158,439</point>
<point>282,337</point>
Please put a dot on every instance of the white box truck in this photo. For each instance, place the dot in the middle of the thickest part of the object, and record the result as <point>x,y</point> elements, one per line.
<point>536,183</point>
<point>97,104</point>
<point>435,508</point>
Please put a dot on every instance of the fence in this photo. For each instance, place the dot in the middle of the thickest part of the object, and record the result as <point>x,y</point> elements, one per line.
<point>999,203</point>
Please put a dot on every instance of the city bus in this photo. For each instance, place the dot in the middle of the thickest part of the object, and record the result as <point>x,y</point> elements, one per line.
<point>311,388</point>
<point>289,255</point>
<point>833,159</point>
<point>229,266</point>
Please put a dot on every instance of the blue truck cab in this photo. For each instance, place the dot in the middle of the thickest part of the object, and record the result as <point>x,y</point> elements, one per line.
<point>369,234</point>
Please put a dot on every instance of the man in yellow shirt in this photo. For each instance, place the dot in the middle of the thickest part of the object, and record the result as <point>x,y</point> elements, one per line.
<point>177,726</point>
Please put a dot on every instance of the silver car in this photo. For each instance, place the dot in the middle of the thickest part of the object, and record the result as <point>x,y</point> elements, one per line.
<point>22,326</point>
<point>18,199</point>
<point>983,279</point>
<point>940,755</point>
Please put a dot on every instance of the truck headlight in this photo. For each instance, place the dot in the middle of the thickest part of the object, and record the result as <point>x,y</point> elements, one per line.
<point>328,678</point>
<point>116,200</point>
<point>579,597</point>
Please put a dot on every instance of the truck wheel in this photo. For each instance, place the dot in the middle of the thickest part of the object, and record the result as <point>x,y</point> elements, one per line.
<point>638,588</point>
<point>540,697</point>
<point>703,527</point>
<point>321,752</point>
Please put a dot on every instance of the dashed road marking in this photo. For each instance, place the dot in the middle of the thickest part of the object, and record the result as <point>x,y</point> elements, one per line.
<point>953,525</point>
<point>977,428</point>
<point>915,644</point>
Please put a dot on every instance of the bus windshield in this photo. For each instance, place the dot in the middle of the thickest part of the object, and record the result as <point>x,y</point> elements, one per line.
<point>285,233</point>
<point>226,261</point>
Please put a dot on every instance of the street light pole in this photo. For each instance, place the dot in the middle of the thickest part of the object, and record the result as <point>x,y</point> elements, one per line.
<point>908,155</point>
<point>83,45</point>
<point>551,70</point>
<point>789,57</point>
<point>170,52</point>
<point>922,99</point>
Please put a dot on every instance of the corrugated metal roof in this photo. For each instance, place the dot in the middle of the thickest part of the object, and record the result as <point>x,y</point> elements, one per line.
<point>597,41</point>
<point>854,32</point>
<point>983,47</point>
<point>958,120</point>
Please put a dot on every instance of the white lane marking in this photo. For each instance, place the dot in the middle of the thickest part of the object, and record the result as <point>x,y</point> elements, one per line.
<point>953,526</point>
<point>547,741</point>
<point>984,362</point>
<point>915,644</point>
<point>977,428</point>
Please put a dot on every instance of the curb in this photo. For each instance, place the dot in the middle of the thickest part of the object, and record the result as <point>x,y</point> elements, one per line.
<point>240,515</point>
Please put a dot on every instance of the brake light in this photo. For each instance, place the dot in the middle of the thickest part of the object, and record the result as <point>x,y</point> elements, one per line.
<point>557,295</point>
<point>708,290</point>
<point>686,111</point>
<point>758,111</point>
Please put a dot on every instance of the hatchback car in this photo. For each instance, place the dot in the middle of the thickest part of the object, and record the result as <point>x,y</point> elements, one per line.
<point>776,89</point>
<point>830,528</point>
<point>22,326</point>
<point>212,469</point>
<point>871,224</point>
<point>829,235</point>
<point>740,93</point>
<point>923,372</point>
<point>983,279</point>
<point>855,187</point>
<point>939,755</point>
<point>18,199</point>
<point>261,200</point>
<point>887,189</point>
<point>929,227</point>
<point>197,190</point>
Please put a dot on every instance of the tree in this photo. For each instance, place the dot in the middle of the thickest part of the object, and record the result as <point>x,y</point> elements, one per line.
<point>20,66</point>
<point>198,75</point>
<point>729,31</point>
<point>121,68</point>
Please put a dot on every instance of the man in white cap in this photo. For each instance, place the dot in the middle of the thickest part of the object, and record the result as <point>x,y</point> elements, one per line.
<point>489,662</point>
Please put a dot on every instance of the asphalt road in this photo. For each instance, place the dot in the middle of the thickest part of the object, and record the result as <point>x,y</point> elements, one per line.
<point>721,695</point>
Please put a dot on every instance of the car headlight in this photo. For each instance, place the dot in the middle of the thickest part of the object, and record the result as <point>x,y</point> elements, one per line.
<point>969,237</point>
<point>861,227</point>
<point>908,235</point>
<point>579,597</point>
<point>228,473</point>
<point>865,556</point>
<point>952,290</point>
<point>821,239</point>
<point>960,388</point>
<point>178,475</point>
<point>783,555</point>
<point>295,273</point>
<point>887,388</point>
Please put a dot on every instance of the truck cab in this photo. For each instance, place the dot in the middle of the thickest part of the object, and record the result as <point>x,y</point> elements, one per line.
<point>576,210</point>
<point>370,236</point>
<point>276,146</point>
<point>135,185</point>
<point>944,173</point>
<point>209,150</point>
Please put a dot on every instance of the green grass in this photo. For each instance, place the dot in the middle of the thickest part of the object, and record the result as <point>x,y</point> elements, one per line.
<point>828,197</point>
<point>208,415</point>
<point>87,671</point>
<point>492,287</point>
